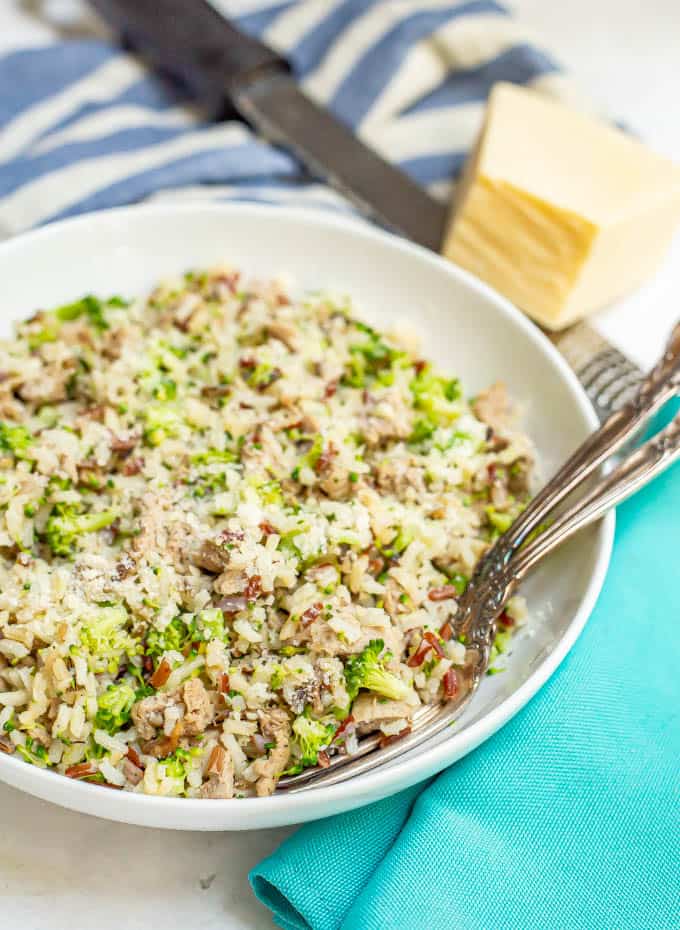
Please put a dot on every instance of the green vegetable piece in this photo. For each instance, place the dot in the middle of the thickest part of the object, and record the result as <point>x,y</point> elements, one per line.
<point>459,582</point>
<point>34,752</point>
<point>213,457</point>
<point>423,429</point>
<point>166,389</point>
<point>367,671</point>
<point>435,396</point>
<point>311,457</point>
<point>91,307</point>
<point>499,521</point>
<point>211,624</point>
<point>172,639</point>
<point>161,421</point>
<point>114,707</point>
<point>106,640</point>
<point>65,524</point>
<point>15,439</point>
<point>48,333</point>
<point>311,736</point>
<point>401,541</point>
<point>277,678</point>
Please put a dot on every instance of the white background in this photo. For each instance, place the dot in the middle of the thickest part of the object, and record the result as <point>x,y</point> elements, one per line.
<point>59,869</point>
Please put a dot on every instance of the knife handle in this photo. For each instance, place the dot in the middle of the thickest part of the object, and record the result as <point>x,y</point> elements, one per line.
<point>192,41</point>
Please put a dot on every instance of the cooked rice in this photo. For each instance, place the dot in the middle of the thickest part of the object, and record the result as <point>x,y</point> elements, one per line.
<point>233,528</point>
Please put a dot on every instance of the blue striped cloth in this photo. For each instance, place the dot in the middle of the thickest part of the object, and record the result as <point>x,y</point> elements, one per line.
<point>86,127</point>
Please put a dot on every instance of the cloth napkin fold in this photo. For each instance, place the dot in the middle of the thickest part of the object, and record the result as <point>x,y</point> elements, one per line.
<point>568,818</point>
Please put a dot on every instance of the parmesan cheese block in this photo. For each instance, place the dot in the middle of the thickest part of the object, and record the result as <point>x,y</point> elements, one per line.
<point>560,213</point>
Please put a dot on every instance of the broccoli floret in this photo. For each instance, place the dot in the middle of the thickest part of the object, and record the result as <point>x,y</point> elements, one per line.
<point>213,457</point>
<point>435,396</point>
<point>162,420</point>
<point>401,541</point>
<point>65,524</point>
<point>91,307</point>
<point>186,629</point>
<point>49,333</point>
<point>114,707</point>
<point>278,678</point>
<point>499,521</point>
<point>166,389</point>
<point>15,439</point>
<point>269,491</point>
<point>210,623</point>
<point>423,430</point>
<point>106,641</point>
<point>367,671</point>
<point>176,765</point>
<point>262,376</point>
<point>311,737</point>
<point>34,752</point>
<point>172,639</point>
<point>373,358</point>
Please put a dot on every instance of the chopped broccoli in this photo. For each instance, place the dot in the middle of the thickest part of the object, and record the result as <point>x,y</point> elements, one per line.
<point>210,624</point>
<point>311,736</point>
<point>34,752</point>
<point>186,629</point>
<point>499,521</point>
<point>66,523</point>
<point>114,707</point>
<point>166,389</point>
<point>269,491</point>
<point>262,376</point>
<point>423,429</point>
<point>401,541</point>
<point>435,396</point>
<point>367,671</point>
<point>48,333</point>
<point>172,639</point>
<point>311,457</point>
<point>374,359</point>
<point>162,420</point>
<point>91,307</point>
<point>176,764</point>
<point>106,640</point>
<point>277,679</point>
<point>459,582</point>
<point>15,439</point>
<point>213,457</point>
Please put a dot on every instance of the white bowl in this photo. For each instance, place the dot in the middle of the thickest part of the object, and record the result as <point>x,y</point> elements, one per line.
<point>467,327</point>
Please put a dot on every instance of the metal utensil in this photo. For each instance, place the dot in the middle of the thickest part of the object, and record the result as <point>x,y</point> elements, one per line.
<point>227,69</point>
<point>514,555</point>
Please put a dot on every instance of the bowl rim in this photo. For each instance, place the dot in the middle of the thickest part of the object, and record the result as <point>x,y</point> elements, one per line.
<point>281,809</point>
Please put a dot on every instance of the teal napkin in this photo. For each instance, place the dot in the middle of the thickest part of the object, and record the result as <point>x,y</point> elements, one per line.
<point>567,819</point>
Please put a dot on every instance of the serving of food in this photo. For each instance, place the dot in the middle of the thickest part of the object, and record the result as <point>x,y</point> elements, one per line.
<point>239,510</point>
<point>234,525</point>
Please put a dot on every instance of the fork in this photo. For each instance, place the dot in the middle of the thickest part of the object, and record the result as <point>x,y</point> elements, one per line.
<point>522,547</point>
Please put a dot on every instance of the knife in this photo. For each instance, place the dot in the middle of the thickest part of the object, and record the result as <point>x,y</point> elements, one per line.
<point>232,72</point>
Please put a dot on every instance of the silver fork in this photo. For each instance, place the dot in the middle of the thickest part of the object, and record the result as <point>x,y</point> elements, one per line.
<point>514,555</point>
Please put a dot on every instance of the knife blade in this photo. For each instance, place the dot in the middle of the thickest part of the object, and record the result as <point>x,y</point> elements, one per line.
<point>229,70</point>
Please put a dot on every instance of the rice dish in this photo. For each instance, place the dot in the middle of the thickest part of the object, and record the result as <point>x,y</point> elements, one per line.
<point>234,523</point>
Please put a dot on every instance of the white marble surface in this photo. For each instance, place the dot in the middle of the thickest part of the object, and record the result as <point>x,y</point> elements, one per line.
<point>55,864</point>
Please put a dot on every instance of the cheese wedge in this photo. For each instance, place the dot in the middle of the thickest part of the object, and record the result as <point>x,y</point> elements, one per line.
<point>560,213</point>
